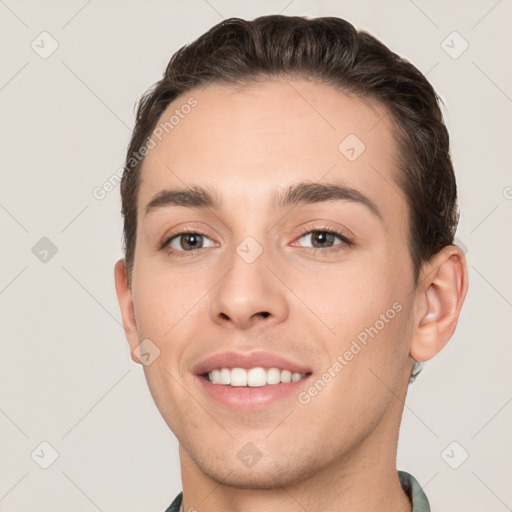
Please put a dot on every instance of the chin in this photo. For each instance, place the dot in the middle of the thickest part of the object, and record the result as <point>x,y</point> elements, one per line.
<point>265,474</point>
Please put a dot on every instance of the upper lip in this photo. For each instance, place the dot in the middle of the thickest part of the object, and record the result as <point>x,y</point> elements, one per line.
<point>247,360</point>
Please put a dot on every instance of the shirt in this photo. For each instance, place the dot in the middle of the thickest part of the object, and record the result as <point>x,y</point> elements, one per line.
<point>409,484</point>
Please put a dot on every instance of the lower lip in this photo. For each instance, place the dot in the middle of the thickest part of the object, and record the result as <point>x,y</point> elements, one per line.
<point>250,398</point>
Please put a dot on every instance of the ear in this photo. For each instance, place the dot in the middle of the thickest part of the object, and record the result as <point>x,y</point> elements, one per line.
<point>443,284</point>
<point>124,296</point>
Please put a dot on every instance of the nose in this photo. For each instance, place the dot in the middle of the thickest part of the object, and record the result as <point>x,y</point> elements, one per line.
<point>249,294</point>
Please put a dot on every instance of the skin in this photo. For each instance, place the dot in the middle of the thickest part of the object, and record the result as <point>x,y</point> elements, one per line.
<point>246,144</point>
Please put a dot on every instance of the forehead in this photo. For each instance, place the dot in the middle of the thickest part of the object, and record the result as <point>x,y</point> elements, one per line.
<point>245,143</point>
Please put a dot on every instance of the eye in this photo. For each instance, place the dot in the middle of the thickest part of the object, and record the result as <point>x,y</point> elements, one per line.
<point>187,241</point>
<point>325,238</point>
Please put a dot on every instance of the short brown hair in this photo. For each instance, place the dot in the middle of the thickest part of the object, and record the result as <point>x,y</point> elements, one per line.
<point>327,50</point>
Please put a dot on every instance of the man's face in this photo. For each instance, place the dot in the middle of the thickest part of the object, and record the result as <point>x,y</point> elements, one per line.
<point>264,278</point>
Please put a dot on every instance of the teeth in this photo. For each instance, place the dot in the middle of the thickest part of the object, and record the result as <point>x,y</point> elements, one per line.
<point>225,376</point>
<point>286,376</point>
<point>273,376</point>
<point>238,377</point>
<point>254,377</point>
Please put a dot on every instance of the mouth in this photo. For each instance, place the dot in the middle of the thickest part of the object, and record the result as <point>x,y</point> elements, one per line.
<point>250,381</point>
<point>253,377</point>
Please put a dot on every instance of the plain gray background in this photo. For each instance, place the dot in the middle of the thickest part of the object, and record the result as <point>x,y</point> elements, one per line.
<point>66,376</point>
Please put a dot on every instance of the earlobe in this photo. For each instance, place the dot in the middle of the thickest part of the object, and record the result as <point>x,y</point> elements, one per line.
<point>124,297</point>
<point>442,290</point>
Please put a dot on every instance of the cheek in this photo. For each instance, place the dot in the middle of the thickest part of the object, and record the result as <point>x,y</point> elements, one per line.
<point>162,296</point>
<point>365,364</point>
<point>364,312</point>
<point>346,296</point>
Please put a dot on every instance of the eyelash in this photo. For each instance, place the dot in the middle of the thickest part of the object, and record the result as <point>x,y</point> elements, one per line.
<point>345,242</point>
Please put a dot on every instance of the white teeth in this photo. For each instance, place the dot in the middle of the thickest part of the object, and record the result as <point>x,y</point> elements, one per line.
<point>286,376</point>
<point>225,376</point>
<point>238,377</point>
<point>254,377</point>
<point>273,376</point>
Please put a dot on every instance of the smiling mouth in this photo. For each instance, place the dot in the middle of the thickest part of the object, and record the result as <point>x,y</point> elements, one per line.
<point>252,377</point>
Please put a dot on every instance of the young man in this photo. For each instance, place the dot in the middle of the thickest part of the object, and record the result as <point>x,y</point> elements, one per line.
<point>290,207</point>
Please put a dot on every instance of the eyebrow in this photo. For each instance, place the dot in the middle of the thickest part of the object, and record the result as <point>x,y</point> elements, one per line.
<point>297,194</point>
